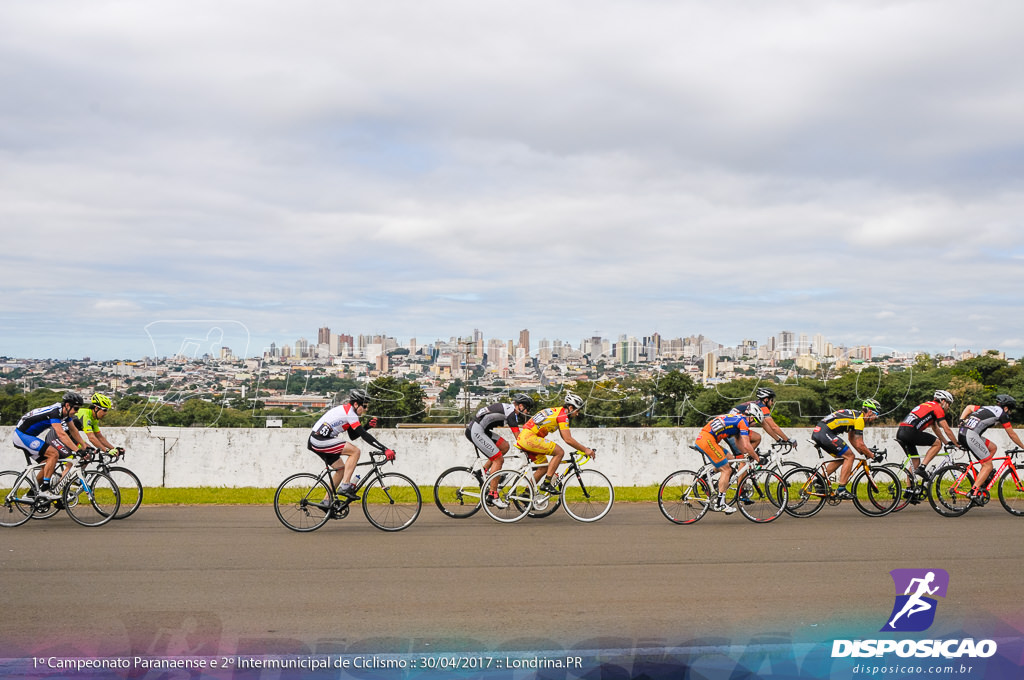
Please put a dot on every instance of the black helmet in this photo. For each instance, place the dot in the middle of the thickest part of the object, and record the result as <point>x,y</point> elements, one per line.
<point>765,393</point>
<point>1006,401</point>
<point>524,399</point>
<point>73,398</point>
<point>358,396</point>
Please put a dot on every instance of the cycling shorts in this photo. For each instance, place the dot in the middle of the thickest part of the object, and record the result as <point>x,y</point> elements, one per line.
<point>329,450</point>
<point>32,447</point>
<point>534,446</point>
<point>909,438</point>
<point>976,444</point>
<point>485,442</point>
<point>830,443</point>
<point>707,443</point>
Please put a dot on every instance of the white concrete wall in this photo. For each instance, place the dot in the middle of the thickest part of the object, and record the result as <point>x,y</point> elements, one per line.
<point>234,457</point>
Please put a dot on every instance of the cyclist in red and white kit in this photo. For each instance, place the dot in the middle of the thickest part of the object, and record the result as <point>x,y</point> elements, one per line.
<point>973,422</point>
<point>326,440</point>
<point>911,432</point>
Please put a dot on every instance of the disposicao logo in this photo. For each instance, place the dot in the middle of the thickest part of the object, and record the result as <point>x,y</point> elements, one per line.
<point>914,610</point>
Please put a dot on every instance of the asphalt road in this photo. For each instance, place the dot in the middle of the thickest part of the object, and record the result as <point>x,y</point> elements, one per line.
<point>231,579</point>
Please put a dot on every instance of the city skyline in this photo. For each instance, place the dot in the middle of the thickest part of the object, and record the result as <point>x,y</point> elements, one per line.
<point>852,168</point>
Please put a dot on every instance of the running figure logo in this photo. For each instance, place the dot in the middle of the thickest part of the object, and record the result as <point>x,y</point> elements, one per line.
<point>914,610</point>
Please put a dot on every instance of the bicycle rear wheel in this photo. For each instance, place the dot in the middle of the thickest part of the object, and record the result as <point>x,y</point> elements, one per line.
<point>457,492</point>
<point>949,493</point>
<point>515,493</point>
<point>767,491</point>
<point>876,494</point>
<point>1011,490</point>
<point>303,502</point>
<point>587,495</point>
<point>91,500</point>
<point>17,502</point>
<point>806,489</point>
<point>684,497</point>
<point>392,502</point>
<point>909,485</point>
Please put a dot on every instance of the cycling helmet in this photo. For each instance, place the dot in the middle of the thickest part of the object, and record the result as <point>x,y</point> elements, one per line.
<point>765,393</point>
<point>359,397</point>
<point>101,401</point>
<point>871,405</point>
<point>73,398</point>
<point>524,399</point>
<point>942,395</point>
<point>1006,401</point>
<point>754,413</point>
<point>573,400</point>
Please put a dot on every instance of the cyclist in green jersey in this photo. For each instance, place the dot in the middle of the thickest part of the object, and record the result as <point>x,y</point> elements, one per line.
<point>91,414</point>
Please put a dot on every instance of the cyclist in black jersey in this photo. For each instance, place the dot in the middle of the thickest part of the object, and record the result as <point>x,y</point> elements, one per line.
<point>480,432</point>
<point>974,420</point>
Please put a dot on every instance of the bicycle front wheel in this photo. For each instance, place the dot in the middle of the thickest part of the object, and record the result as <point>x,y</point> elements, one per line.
<point>587,495</point>
<point>392,502</point>
<point>515,496</point>
<point>17,501</point>
<point>1011,490</point>
<point>457,492</point>
<point>684,497</point>
<point>949,493</point>
<point>92,500</point>
<point>767,495</point>
<point>131,491</point>
<point>876,494</point>
<point>303,502</point>
<point>806,490</point>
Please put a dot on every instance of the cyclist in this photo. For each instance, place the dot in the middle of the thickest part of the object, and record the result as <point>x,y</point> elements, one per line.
<point>90,415</point>
<point>826,435</point>
<point>326,440</point>
<point>480,432</point>
<point>40,433</point>
<point>721,428</point>
<point>532,440</point>
<point>911,432</point>
<point>973,422</point>
<point>765,401</point>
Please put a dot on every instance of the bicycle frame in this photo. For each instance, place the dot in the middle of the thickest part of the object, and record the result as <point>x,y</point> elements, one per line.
<point>974,468</point>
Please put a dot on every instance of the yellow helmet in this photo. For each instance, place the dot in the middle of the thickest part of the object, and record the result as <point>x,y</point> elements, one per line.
<point>101,401</point>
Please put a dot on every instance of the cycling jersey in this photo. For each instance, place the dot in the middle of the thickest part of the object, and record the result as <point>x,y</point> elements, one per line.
<point>547,421</point>
<point>721,427</point>
<point>923,415</point>
<point>844,420</point>
<point>339,419</point>
<point>38,420</point>
<point>984,418</point>
<point>90,423</point>
<point>490,417</point>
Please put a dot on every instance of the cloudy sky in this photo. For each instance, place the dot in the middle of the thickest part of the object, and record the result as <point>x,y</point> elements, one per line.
<point>422,169</point>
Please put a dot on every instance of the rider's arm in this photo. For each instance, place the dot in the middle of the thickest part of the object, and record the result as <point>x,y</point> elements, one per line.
<point>1013,436</point>
<point>71,438</point>
<point>99,441</point>
<point>360,432</point>
<point>857,441</point>
<point>968,410</point>
<point>769,426</point>
<point>950,439</point>
<point>571,441</point>
<point>744,445</point>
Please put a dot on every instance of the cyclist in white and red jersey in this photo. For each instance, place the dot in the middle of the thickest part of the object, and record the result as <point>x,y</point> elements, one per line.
<point>973,422</point>
<point>480,432</point>
<point>911,432</point>
<point>326,440</point>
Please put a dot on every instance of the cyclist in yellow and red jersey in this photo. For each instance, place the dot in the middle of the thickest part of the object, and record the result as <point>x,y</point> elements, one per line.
<point>826,435</point>
<point>532,440</point>
<point>709,442</point>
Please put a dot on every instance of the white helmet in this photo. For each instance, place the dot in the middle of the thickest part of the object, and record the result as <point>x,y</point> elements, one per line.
<point>754,412</point>
<point>943,395</point>
<point>573,400</point>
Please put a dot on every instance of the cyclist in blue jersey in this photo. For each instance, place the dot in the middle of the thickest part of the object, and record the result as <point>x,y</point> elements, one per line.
<point>708,441</point>
<point>40,433</point>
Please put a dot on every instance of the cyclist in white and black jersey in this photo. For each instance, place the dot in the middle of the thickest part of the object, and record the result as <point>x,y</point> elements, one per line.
<point>480,432</point>
<point>327,440</point>
<point>973,422</point>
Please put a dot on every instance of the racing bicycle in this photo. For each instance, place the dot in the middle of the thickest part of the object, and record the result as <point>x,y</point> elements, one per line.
<point>915,488</point>
<point>950,492</point>
<point>127,481</point>
<point>91,498</point>
<point>876,490</point>
<point>391,501</point>
<point>686,496</point>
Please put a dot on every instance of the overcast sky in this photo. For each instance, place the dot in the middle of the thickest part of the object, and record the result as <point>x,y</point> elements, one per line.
<point>422,169</point>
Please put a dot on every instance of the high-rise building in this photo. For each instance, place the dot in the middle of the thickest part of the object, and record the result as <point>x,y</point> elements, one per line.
<point>323,336</point>
<point>524,340</point>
